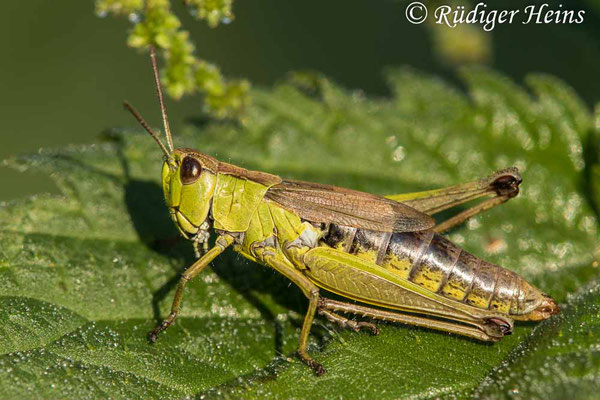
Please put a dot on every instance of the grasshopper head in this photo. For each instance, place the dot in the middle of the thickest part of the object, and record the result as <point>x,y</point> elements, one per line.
<point>188,177</point>
<point>188,182</point>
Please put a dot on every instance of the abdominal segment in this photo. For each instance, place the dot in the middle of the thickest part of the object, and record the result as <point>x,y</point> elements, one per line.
<point>433,262</point>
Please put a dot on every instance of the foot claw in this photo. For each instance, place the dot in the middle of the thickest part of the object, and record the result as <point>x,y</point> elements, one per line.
<point>374,330</point>
<point>318,368</point>
<point>357,326</point>
<point>152,336</point>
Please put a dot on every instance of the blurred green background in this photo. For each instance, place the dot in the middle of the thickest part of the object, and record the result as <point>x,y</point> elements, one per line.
<point>65,71</point>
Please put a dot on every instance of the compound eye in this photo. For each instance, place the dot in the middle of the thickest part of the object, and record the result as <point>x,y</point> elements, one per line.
<point>190,170</point>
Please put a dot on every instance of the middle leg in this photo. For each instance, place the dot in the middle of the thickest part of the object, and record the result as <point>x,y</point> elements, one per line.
<point>310,290</point>
<point>343,321</point>
<point>492,330</point>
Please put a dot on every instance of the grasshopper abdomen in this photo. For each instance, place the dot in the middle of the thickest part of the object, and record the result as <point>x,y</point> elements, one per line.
<point>438,265</point>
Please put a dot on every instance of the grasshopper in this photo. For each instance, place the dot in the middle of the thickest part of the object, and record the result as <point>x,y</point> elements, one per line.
<point>384,253</point>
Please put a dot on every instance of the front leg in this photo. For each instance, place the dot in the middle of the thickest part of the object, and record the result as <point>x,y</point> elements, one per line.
<point>220,245</point>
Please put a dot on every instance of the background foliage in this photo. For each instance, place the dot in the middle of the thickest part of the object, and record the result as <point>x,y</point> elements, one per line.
<point>85,275</point>
<point>155,24</point>
<point>66,71</point>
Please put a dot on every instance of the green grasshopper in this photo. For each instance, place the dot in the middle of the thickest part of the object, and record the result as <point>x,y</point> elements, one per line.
<point>385,253</point>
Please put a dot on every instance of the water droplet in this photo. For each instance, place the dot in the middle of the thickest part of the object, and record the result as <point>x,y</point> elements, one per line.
<point>134,18</point>
<point>399,154</point>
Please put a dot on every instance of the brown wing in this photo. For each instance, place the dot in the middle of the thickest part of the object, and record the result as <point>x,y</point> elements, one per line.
<point>331,204</point>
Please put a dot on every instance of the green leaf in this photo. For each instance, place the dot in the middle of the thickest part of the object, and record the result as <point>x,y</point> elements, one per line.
<point>85,276</point>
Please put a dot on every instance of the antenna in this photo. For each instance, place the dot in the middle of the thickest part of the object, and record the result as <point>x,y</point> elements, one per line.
<point>163,109</point>
<point>143,122</point>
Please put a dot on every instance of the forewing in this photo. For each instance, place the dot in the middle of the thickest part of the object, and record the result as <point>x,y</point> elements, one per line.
<point>331,204</point>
